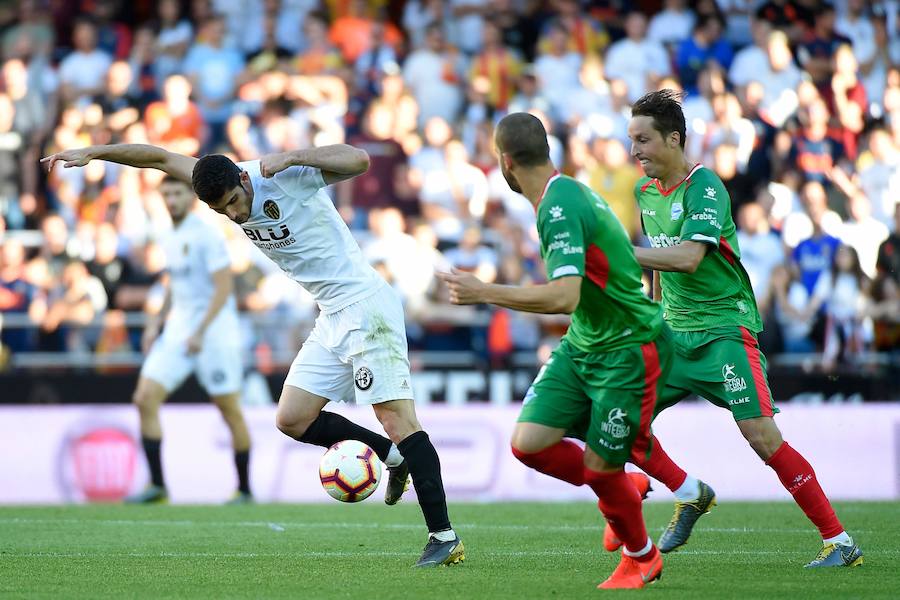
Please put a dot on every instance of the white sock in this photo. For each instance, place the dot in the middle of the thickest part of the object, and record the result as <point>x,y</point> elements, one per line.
<point>646,549</point>
<point>394,457</point>
<point>689,490</point>
<point>447,535</point>
<point>841,539</point>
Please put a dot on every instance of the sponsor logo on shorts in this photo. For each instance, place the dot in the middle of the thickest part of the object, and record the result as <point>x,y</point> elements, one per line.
<point>615,425</point>
<point>677,210</point>
<point>363,378</point>
<point>731,381</point>
<point>611,446</point>
<point>218,376</point>
<point>736,401</point>
<point>271,210</point>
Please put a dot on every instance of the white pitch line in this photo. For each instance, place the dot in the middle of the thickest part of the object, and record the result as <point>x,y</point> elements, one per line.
<point>400,526</point>
<point>383,554</point>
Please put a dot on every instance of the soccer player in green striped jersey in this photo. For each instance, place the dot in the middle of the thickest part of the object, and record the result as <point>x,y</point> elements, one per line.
<point>601,383</point>
<point>709,304</point>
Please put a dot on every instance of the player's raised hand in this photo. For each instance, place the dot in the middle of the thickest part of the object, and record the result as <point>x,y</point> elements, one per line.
<point>77,157</point>
<point>273,163</point>
<point>464,288</point>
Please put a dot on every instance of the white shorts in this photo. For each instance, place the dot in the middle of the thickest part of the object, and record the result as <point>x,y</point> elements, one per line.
<point>218,366</point>
<point>357,354</point>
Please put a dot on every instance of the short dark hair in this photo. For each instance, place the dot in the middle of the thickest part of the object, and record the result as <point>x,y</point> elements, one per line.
<point>213,175</point>
<point>523,137</point>
<point>664,106</point>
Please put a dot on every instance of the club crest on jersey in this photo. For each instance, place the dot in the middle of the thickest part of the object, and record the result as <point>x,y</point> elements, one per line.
<point>677,210</point>
<point>615,424</point>
<point>271,210</point>
<point>363,378</point>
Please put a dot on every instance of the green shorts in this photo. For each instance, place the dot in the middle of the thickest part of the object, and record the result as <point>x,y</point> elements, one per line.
<point>605,399</point>
<point>723,365</point>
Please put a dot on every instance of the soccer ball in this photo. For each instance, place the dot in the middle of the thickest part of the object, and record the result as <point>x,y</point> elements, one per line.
<point>350,471</point>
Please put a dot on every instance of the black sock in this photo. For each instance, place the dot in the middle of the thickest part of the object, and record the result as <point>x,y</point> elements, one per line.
<point>151,450</point>
<point>425,469</point>
<point>242,463</point>
<point>330,428</point>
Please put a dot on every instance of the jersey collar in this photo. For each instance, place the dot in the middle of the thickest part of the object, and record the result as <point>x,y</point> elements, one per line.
<point>675,187</point>
<point>553,178</point>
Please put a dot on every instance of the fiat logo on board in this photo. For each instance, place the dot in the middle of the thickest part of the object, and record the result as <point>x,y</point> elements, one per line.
<point>103,462</point>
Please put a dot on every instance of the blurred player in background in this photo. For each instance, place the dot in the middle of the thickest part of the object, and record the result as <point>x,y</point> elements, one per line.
<point>200,336</point>
<point>601,383</point>
<point>357,350</point>
<point>710,306</point>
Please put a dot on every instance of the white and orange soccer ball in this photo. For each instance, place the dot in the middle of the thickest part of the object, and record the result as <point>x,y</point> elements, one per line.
<point>350,471</point>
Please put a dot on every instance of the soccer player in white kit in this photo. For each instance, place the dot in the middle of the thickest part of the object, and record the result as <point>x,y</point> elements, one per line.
<point>201,335</point>
<point>357,350</point>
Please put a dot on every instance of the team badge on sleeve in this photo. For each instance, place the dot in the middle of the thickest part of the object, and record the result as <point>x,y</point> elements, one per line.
<point>271,210</point>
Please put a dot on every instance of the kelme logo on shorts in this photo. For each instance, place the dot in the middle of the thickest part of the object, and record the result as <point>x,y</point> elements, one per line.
<point>363,378</point>
<point>271,210</point>
<point>615,424</point>
<point>731,381</point>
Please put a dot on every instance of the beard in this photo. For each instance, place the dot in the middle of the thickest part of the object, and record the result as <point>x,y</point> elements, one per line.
<point>511,180</point>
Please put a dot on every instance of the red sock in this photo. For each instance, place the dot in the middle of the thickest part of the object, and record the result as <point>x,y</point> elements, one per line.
<point>620,503</point>
<point>798,477</point>
<point>563,460</point>
<point>659,466</point>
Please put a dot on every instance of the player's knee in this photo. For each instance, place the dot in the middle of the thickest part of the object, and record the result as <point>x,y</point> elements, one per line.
<point>293,423</point>
<point>524,445</point>
<point>397,425</point>
<point>143,399</point>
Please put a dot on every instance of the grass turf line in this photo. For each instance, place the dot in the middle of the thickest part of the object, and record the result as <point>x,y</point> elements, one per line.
<point>740,550</point>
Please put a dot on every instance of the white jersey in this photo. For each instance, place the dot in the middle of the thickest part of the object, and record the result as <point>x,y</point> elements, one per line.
<point>294,223</point>
<point>194,251</point>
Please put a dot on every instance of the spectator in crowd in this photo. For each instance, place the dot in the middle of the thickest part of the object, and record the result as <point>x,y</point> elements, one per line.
<point>637,60</point>
<point>420,15</point>
<point>815,255</point>
<point>814,151</point>
<point>499,65</point>
<point>863,233</point>
<point>113,37</point>
<point>467,24</point>
<point>173,38</point>
<point>888,263</point>
<point>790,301</point>
<point>319,57</point>
<point>473,256</point>
<point>753,59</point>
<point>267,54</point>
<point>378,59</point>
<point>216,71</point>
<point>83,72</point>
<point>175,122</point>
<point>614,176</point>
<point>879,174</point>
<point>77,301</point>
<point>761,250</point>
<point>32,29</point>
<point>705,47</point>
<point>454,195</point>
<point>434,73</point>
<point>557,70</point>
<point>352,33</point>
<point>672,24</point>
<point>817,50</point>
<point>585,34</point>
<point>842,290</point>
<point>17,297</point>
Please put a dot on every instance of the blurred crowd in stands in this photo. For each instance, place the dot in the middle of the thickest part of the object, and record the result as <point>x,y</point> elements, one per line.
<point>795,104</point>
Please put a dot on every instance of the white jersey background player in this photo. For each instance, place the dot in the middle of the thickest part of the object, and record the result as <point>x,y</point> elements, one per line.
<point>200,335</point>
<point>357,350</point>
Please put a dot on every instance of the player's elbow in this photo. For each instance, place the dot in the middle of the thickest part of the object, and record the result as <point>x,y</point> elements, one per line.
<point>360,161</point>
<point>566,304</point>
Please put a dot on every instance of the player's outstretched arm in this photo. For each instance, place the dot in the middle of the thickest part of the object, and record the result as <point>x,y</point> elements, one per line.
<point>560,296</point>
<point>142,156</point>
<point>337,162</point>
<point>681,258</point>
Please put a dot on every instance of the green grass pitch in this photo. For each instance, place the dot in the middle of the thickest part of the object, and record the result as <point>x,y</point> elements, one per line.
<point>740,550</point>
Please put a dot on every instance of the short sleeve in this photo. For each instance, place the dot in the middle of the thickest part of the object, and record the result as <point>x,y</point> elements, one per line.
<point>301,180</point>
<point>564,226</point>
<point>705,206</point>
